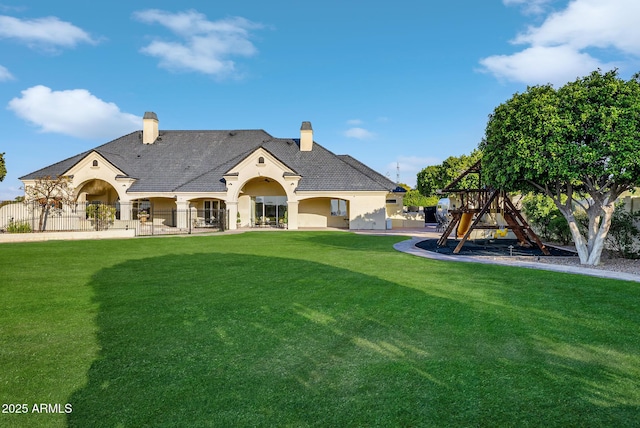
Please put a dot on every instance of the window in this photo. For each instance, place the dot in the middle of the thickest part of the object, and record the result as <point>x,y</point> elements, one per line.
<point>95,163</point>
<point>392,201</point>
<point>260,160</point>
<point>338,208</point>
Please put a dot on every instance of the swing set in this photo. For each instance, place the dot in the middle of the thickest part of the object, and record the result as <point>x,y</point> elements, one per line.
<point>485,212</point>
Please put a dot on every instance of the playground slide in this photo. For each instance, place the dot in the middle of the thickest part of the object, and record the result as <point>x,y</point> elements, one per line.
<point>465,223</point>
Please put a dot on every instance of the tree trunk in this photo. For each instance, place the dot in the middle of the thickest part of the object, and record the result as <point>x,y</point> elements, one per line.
<point>578,239</point>
<point>43,214</point>
<point>600,238</point>
<point>594,213</point>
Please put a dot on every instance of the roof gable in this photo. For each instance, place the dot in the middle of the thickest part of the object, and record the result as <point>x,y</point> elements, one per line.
<point>253,158</point>
<point>93,160</point>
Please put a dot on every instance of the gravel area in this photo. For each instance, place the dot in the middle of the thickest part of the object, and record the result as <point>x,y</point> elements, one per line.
<point>609,261</point>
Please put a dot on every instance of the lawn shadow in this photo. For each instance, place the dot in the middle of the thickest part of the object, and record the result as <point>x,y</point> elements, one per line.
<point>345,241</point>
<point>222,339</point>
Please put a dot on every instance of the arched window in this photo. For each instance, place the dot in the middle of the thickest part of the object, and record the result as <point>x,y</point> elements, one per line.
<point>95,163</point>
<point>261,160</point>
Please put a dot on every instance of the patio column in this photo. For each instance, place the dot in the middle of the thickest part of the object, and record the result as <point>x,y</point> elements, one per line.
<point>232,215</point>
<point>125,210</point>
<point>292,214</point>
<point>182,214</point>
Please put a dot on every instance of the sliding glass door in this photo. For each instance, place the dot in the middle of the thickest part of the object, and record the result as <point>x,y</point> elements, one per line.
<point>269,209</point>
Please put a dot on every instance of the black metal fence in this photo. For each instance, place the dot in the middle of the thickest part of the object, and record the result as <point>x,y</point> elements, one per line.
<point>20,217</point>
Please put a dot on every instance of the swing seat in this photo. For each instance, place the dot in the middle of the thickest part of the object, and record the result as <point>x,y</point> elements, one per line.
<point>501,233</point>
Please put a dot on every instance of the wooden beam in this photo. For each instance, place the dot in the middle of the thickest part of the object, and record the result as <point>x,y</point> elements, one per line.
<point>455,219</point>
<point>527,228</point>
<point>484,209</point>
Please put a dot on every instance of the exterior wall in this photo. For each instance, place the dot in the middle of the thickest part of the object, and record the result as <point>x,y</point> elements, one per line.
<point>67,236</point>
<point>632,203</point>
<point>163,204</point>
<point>367,211</point>
<point>394,208</point>
<point>17,212</point>
<point>314,212</point>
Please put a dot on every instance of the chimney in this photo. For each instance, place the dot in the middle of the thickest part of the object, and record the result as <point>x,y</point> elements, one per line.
<point>306,137</point>
<point>149,128</point>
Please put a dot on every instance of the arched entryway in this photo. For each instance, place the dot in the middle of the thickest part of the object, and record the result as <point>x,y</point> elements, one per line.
<point>99,192</point>
<point>262,203</point>
<point>93,191</point>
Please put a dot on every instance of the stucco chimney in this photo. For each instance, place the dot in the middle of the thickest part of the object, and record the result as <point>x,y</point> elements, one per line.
<point>149,127</point>
<point>306,137</point>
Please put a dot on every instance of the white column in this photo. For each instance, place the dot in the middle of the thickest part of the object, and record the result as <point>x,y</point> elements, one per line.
<point>292,215</point>
<point>232,213</point>
<point>182,214</point>
<point>125,210</point>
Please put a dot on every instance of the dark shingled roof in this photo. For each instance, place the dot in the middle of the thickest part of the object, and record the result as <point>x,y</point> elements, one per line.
<point>195,161</point>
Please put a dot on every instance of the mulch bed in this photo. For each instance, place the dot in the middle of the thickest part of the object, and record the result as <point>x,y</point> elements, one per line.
<point>491,247</point>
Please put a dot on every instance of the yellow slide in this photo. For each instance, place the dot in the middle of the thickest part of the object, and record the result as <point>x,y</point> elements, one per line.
<point>465,223</point>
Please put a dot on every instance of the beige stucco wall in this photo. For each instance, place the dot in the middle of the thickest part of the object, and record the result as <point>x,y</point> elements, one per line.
<point>314,212</point>
<point>367,211</point>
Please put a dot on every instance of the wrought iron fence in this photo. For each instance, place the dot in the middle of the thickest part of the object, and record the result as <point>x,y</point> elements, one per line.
<point>19,217</point>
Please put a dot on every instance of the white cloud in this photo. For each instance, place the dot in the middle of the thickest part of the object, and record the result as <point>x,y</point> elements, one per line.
<point>590,23</point>
<point>359,133</point>
<point>204,46</point>
<point>529,6</point>
<point>44,33</point>
<point>5,74</point>
<point>73,112</point>
<point>562,47</point>
<point>354,122</point>
<point>540,65</point>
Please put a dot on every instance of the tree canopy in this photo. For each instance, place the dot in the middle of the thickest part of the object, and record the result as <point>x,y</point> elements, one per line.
<point>50,193</point>
<point>435,177</point>
<point>578,144</point>
<point>3,167</point>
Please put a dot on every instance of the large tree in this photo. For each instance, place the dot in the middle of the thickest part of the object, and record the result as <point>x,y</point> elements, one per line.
<point>578,144</point>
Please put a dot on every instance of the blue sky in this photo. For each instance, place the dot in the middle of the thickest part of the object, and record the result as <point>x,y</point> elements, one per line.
<point>404,82</point>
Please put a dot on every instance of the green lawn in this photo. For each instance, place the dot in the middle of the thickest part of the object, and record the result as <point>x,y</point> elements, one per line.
<point>307,329</point>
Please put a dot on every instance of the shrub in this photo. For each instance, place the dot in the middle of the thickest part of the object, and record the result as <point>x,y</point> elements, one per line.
<point>103,215</point>
<point>558,228</point>
<point>18,227</point>
<point>624,233</point>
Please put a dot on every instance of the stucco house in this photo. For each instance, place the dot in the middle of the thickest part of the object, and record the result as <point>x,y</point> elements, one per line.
<point>251,174</point>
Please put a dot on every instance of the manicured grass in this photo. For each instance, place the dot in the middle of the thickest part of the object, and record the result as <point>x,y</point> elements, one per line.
<point>308,329</point>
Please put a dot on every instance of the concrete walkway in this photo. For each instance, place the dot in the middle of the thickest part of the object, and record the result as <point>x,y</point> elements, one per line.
<point>409,247</point>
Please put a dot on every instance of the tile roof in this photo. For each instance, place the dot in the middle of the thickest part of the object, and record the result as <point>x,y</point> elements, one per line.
<point>195,161</point>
